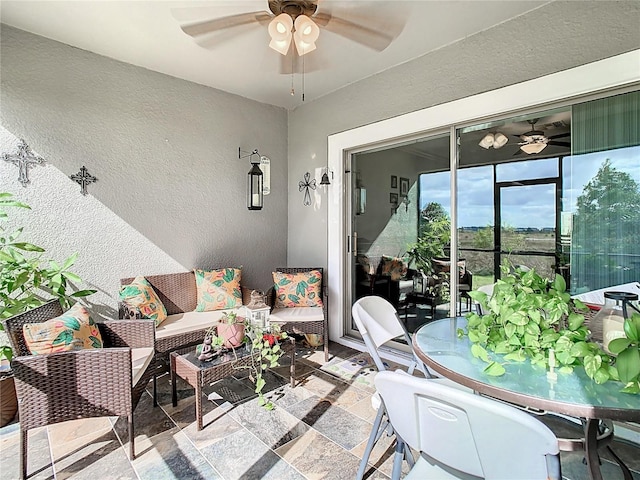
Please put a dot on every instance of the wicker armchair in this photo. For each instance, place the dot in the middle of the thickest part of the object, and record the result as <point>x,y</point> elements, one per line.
<point>65,386</point>
<point>319,327</point>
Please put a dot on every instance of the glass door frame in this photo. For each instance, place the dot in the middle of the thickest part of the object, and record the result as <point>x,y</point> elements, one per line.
<point>497,231</point>
<point>564,88</point>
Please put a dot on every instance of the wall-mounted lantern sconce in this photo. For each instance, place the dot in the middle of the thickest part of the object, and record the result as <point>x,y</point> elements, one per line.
<point>325,177</point>
<point>255,180</point>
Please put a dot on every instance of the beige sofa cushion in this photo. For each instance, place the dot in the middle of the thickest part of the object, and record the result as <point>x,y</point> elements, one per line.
<point>296,314</point>
<point>189,321</point>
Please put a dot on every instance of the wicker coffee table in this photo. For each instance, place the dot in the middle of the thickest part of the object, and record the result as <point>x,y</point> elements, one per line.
<point>198,373</point>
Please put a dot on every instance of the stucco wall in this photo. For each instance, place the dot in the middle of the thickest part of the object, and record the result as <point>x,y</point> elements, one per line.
<point>171,190</point>
<point>553,38</point>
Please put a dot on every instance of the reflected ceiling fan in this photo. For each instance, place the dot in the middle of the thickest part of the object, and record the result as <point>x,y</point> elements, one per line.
<point>535,141</point>
<point>297,22</point>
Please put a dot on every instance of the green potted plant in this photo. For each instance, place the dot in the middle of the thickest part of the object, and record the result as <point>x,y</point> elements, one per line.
<point>627,350</point>
<point>231,329</point>
<point>266,345</point>
<point>528,317</point>
<point>27,280</point>
<point>433,242</point>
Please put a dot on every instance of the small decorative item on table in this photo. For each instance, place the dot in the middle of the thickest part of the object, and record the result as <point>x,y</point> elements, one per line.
<point>210,347</point>
<point>613,314</point>
<point>257,311</point>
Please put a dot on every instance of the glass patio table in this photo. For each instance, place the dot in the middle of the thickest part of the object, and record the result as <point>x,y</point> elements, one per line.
<point>575,394</point>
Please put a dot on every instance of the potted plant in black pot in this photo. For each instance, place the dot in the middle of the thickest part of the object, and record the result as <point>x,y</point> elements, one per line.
<point>27,280</point>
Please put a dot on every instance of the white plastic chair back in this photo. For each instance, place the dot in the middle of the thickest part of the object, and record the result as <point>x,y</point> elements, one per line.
<point>378,323</point>
<point>488,289</point>
<point>468,433</point>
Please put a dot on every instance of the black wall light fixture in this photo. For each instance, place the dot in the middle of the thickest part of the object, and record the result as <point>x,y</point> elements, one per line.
<point>255,180</point>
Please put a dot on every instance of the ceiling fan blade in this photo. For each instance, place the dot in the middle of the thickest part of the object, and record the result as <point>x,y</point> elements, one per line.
<point>559,144</point>
<point>204,27</point>
<point>369,37</point>
<point>560,135</point>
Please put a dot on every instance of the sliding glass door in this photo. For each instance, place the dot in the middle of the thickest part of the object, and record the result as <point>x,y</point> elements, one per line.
<point>386,231</point>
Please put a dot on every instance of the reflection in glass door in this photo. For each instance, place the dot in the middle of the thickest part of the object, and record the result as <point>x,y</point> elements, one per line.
<point>399,201</point>
<point>527,219</point>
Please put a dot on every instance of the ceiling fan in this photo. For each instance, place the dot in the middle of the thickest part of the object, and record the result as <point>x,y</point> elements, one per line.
<point>297,22</point>
<point>535,141</point>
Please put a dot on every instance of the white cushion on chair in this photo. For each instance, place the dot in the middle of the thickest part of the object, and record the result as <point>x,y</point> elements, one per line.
<point>188,322</point>
<point>296,314</point>
<point>140,360</point>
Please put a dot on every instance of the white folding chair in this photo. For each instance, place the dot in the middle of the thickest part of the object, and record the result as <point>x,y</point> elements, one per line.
<point>466,436</point>
<point>488,289</point>
<point>378,323</point>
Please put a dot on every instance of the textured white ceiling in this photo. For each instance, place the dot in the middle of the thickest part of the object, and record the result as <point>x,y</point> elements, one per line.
<point>238,60</point>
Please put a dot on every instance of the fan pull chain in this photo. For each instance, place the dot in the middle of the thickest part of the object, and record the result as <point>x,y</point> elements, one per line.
<point>293,92</point>
<point>303,78</point>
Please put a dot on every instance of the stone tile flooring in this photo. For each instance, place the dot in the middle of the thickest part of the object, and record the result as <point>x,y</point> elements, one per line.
<point>317,431</point>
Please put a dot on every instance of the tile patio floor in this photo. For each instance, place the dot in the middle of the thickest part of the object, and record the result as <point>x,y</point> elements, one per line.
<point>317,431</point>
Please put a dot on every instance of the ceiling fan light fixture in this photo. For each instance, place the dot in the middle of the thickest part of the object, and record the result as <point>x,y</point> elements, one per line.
<point>305,35</point>
<point>532,148</point>
<point>282,47</point>
<point>499,140</point>
<point>280,27</point>
<point>487,141</point>
<point>280,31</point>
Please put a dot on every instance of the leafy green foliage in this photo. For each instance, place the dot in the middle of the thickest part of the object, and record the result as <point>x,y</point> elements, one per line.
<point>483,238</point>
<point>628,350</point>
<point>435,235</point>
<point>27,279</point>
<point>527,316</point>
<point>606,226</point>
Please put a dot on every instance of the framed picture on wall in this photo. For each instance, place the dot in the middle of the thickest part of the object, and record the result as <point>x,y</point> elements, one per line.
<point>393,198</point>
<point>394,181</point>
<point>404,186</point>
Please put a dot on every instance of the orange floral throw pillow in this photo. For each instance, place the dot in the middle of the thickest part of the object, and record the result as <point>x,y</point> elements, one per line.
<point>140,294</point>
<point>218,289</point>
<point>394,267</point>
<point>73,330</point>
<point>298,289</point>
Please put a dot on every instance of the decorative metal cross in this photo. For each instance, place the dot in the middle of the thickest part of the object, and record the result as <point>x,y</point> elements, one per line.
<point>24,160</point>
<point>306,185</point>
<point>83,178</point>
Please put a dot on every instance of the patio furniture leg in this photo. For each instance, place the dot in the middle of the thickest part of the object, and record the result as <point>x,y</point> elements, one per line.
<point>23,454</point>
<point>326,345</point>
<point>132,449</point>
<point>375,435</point>
<point>292,370</point>
<point>397,459</point>
<point>199,402</point>
<point>626,473</point>
<point>155,391</point>
<point>591,449</point>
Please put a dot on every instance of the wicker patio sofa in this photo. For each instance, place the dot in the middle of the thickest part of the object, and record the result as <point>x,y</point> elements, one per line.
<point>183,326</point>
<point>99,382</point>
